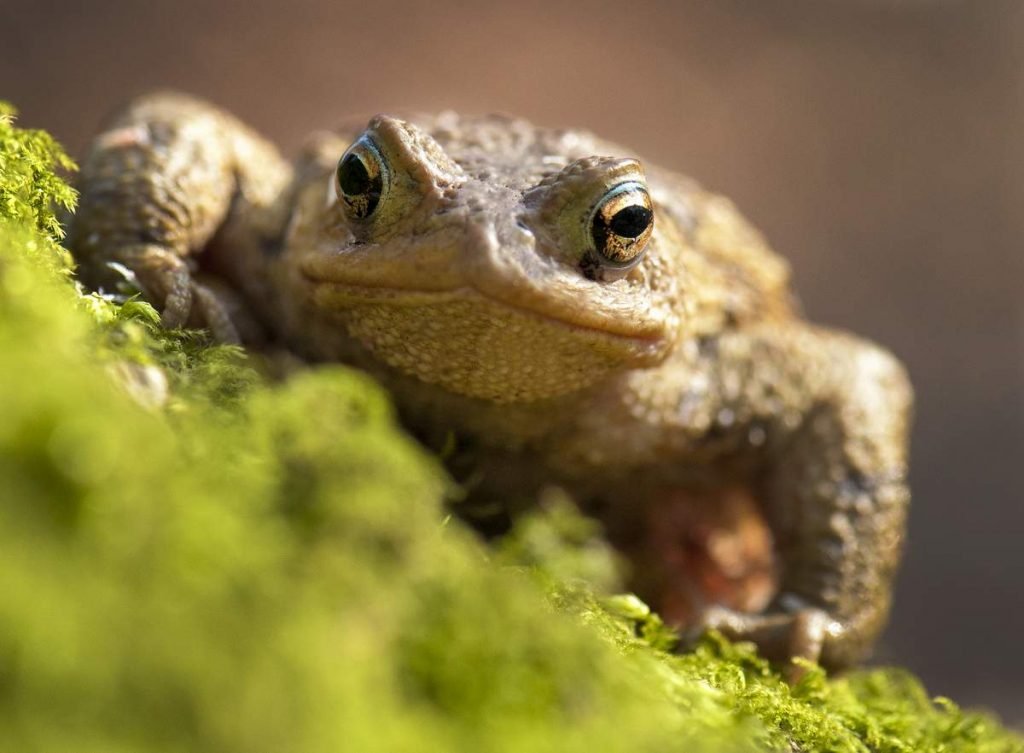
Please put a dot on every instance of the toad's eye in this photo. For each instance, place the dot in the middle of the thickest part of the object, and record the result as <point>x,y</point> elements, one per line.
<point>620,226</point>
<point>362,178</point>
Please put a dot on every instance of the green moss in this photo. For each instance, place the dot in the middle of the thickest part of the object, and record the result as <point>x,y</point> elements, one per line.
<point>250,567</point>
<point>31,193</point>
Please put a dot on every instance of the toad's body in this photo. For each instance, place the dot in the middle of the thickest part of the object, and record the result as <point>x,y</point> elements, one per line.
<point>574,319</point>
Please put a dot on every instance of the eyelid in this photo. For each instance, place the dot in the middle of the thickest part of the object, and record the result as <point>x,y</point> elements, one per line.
<point>624,187</point>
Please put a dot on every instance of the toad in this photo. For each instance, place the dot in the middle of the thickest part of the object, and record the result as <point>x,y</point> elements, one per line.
<point>561,315</point>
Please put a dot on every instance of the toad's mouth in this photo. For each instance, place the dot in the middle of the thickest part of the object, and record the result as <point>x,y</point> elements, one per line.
<point>634,334</point>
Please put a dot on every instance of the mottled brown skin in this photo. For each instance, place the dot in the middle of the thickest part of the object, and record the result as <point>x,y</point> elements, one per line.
<point>753,465</point>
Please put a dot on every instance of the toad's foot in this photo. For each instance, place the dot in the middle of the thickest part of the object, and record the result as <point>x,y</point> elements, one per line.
<point>167,282</point>
<point>800,633</point>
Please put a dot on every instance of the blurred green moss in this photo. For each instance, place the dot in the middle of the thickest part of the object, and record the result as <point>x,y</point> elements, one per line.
<point>193,559</point>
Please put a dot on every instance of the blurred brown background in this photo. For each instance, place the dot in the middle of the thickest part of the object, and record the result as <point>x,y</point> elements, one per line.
<point>878,145</point>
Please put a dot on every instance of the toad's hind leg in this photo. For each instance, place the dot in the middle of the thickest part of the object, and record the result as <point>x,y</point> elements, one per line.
<point>834,493</point>
<point>168,174</point>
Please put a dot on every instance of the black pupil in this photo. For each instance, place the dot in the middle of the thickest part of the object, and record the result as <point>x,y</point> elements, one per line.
<point>352,176</point>
<point>631,221</point>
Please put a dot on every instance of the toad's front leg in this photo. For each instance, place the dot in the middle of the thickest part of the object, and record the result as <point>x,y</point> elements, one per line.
<point>158,183</point>
<point>834,489</point>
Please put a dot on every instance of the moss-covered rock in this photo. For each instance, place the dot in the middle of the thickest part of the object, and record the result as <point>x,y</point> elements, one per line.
<point>193,559</point>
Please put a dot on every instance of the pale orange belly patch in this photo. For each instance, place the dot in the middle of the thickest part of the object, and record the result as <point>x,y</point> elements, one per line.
<point>703,548</point>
